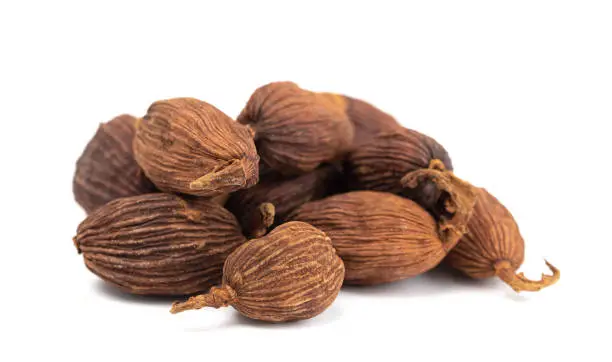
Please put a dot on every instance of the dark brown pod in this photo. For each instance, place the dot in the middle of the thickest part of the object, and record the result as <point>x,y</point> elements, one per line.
<point>380,163</point>
<point>286,194</point>
<point>290,274</point>
<point>382,237</point>
<point>296,130</point>
<point>107,170</point>
<point>188,146</point>
<point>158,244</point>
<point>368,120</point>
<point>493,246</point>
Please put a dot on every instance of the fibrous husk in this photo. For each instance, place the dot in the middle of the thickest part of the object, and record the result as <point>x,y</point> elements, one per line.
<point>158,244</point>
<point>290,274</point>
<point>107,170</point>
<point>381,237</point>
<point>493,246</point>
<point>296,130</point>
<point>382,161</point>
<point>185,145</point>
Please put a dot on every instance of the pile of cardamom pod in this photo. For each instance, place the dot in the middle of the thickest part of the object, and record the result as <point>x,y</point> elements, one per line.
<point>273,212</point>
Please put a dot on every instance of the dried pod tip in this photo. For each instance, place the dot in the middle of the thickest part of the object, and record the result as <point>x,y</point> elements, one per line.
<point>229,174</point>
<point>458,203</point>
<point>520,283</point>
<point>217,297</point>
<point>261,219</point>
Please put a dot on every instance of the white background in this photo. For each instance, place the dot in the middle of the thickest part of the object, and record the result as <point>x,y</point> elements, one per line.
<point>519,92</point>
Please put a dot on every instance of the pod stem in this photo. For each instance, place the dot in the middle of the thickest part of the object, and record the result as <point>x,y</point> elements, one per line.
<point>458,206</point>
<point>216,297</point>
<point>520,283</point>
<point>229,174</point>
<point>261,219</point>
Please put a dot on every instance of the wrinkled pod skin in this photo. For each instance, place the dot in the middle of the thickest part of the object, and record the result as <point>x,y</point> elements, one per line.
<point>296,130</point>
<point>188,146</point>
<point>158,244</point>
<point>381,237</point>
<point>292,273</point>
<point>368,120</point>
<point>285,193</point>
<point>493,246</point>
<point>107,169</point>
<point>380,162</point>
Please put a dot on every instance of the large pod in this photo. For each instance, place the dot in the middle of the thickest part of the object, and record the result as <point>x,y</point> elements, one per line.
<point>493,246</point>
<point>290,274</point>
<point>381,237</point>
<point>380,162</point>
<point>188,146</point>
<point>107,170</point>
<point>296,130</point>
<point>158,244</point>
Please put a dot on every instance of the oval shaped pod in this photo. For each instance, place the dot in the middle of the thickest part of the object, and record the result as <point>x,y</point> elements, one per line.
<point>381,237</point>
<point>286,194</point>
<point>381,161</point>
<point>368,120</point>
<point>296,130</point>
<point>158,244</point>
<point>493,246</point>
<point>290,274</point>
<point>188,146</point>
<point>107,169</point>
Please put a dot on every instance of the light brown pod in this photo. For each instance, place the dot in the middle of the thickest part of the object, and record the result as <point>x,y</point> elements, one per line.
<point>380,163</point>
<point>107,170</point>
<point>158,244</point>
<point>188,146</point>
<point>494,246</point>
<point>368,120</point>
<point>285,193</point>
<point>382,237</point>
<point>290,274</point>
<point>296,130</point>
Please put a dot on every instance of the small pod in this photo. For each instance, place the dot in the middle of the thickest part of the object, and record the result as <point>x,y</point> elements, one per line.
<point>290,274</point>
<point>159,244</point>
<point>493,246</point>
<point>382,237</point>
<point>107,170</point>
<point>296,130</point>
<point>380,163</point>
<point>286,194</point>
<point>368,120</point>
<point>188,146</point>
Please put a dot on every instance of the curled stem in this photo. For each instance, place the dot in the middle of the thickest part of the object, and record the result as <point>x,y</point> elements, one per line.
<point>261,220</point>
<point>229,174</point>
<point>458,205</point>
<point>216,297</point>
<point>518,282</point>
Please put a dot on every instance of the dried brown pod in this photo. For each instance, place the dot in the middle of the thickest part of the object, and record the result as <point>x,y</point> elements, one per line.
<point>286,194</point>
<point>290,274</point>
<point>382,237</point>
<point>158,244</point>
<point>188,146</point>
<point>494,246</point>
<point>296,130</point>
<point>368,120</point>
<point>107,170</point>
<point>380,163</point>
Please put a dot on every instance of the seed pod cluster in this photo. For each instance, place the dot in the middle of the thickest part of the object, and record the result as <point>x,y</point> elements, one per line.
<point>181,201</point>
